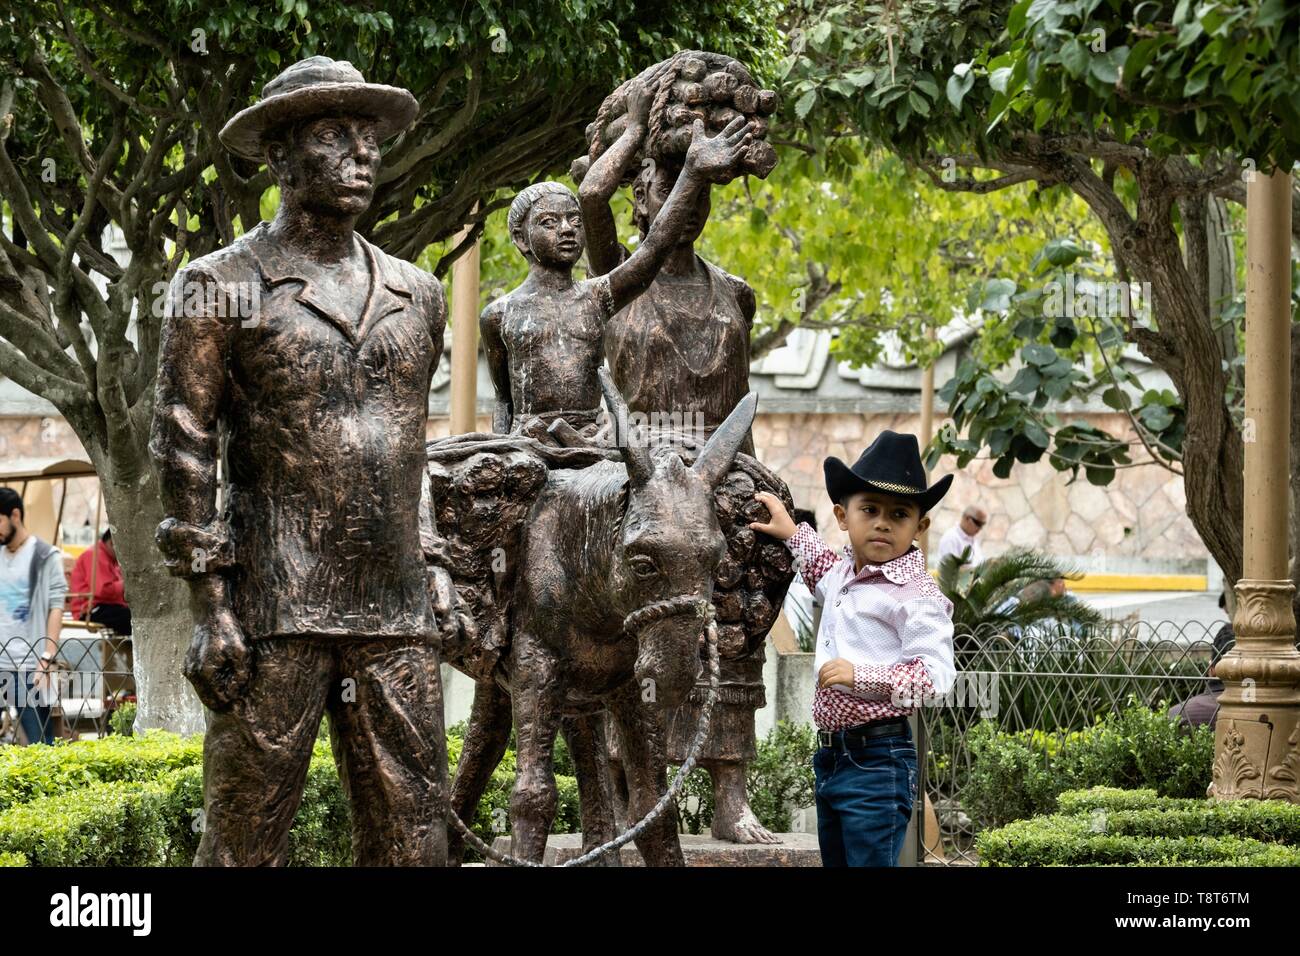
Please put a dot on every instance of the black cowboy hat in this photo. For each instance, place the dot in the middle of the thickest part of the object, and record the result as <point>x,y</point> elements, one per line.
<point>317,86</point>
<point>892,465</point>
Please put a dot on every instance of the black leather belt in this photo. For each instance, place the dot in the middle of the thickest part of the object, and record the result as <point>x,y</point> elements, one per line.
<point>859,735</point>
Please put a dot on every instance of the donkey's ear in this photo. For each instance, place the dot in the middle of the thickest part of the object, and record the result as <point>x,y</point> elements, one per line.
<point>715,459</point>
<point>636,450</point>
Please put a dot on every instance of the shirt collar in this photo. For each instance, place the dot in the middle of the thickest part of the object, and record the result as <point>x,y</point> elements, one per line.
<point>906,567</point>
<point>277,267</point>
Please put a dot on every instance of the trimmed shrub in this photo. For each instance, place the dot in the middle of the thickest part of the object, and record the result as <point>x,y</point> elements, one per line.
<point>122,801</point>
<point>106,824</point>
<point>13,859</point>
<point>159,822</point>
<point>1108,827</point>
<point>1015,776</point>
<point>1074,802</point>
<point>27,773</point>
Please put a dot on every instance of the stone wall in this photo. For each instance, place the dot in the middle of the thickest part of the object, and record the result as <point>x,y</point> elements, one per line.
<point>1137,522</point>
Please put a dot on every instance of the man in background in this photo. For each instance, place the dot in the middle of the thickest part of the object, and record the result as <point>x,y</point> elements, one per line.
<point>1203,708</point>
<point>107,605</point>
<point>32,590</point>
<point>960,538</point>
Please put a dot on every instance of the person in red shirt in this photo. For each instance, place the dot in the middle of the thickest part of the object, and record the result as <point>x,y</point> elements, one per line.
<point>107,605</point>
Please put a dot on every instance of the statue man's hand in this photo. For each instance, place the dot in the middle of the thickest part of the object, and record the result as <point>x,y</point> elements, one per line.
<point>715,158</point>
<point>219,662</point>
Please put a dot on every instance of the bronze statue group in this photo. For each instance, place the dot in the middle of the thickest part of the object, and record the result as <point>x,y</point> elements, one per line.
<point>580,570</point>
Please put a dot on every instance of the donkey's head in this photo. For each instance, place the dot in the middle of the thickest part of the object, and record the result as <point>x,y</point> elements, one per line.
<point>670,545</point>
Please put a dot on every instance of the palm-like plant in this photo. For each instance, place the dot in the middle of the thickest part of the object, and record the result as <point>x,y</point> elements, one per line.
<point>982,597</point>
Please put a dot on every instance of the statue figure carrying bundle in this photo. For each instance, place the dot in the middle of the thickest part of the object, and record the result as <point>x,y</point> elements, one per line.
<point>541,646</point>
<point>682,349</point>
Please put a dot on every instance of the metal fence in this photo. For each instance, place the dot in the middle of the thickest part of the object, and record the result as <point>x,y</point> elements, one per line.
<point>91,678</point>
<point>1043,678</point>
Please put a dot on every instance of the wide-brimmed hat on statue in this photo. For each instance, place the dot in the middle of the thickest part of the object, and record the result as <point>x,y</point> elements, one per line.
<point>317,86</point>
<point>892,465</point>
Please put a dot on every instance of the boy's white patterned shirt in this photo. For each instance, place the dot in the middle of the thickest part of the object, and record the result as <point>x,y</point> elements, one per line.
<point>890,621</point>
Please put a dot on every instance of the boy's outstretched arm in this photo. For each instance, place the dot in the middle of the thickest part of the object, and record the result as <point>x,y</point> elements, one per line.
<point>602,179</point>
<point>812,558</point>
<point>709,159</point>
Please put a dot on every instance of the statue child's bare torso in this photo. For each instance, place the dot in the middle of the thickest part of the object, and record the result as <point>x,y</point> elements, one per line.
<point>554,345</point>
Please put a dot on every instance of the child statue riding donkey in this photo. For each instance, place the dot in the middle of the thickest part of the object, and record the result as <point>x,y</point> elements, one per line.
<point>576,559</point>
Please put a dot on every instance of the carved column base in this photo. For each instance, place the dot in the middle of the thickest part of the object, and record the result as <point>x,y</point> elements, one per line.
<point>1257,735</point>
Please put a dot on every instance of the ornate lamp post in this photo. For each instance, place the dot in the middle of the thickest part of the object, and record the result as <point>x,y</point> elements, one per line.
<point>1257,739</point>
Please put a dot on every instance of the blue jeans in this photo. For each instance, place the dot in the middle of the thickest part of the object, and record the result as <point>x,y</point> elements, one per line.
<point>864,800</point>
<point>16,691</point>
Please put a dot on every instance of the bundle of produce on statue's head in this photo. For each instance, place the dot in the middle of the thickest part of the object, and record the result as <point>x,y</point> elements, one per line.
<point>688,86</point>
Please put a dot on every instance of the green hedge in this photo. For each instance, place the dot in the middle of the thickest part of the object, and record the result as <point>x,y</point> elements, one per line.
<point>158,822</point>
<point>1015,776</point>
<point>27,773</point>
<point>135,801</point>
<point>1109,827</point>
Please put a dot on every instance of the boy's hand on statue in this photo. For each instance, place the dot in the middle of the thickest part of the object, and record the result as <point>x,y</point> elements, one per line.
<point>715,158</point>
<point>780,524</point>
<point>838,671</point>
<point>219,663</point>
<point>639,99</point>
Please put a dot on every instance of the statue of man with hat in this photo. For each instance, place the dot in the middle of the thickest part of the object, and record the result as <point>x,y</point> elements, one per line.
<point>305,369</point>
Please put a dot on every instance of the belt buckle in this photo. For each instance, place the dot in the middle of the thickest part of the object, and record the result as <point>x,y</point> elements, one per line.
<point>826,738</point>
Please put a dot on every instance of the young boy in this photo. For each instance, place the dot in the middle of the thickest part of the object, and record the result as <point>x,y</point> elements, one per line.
<point>545,339</point>
<point>885,643</point>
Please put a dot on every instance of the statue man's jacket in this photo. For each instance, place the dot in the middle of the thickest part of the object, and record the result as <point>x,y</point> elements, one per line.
<point>322,415</point>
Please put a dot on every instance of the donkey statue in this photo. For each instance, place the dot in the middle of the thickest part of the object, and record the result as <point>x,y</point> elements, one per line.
<point>616,562</point>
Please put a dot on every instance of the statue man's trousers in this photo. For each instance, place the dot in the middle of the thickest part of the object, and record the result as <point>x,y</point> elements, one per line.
<point>384,698</point>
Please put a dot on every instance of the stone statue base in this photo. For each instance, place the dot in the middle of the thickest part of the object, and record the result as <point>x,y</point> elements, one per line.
<point>795,849</point>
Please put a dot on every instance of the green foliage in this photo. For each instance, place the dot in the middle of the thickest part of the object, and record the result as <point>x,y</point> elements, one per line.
<point>122,720</point>
<point>957,75</point>
<point>136,801</point>
<point>112,824</point>
<point>1111,827</point>
<point>158,822</point>
<point>1064,335</point>
<point>780,778</point>
<point>979,596</point>
<point>779,781</point>
<point>1189,78</point>
<point>984,95</point>
<point>500,82</point>
<point>857,241</point>
<point>1019,775</point>
<point>27,773</point>
<point>13,859</point>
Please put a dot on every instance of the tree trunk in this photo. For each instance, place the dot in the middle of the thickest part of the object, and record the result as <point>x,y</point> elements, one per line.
<point>160,609</point>
<point>1213,456</point>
